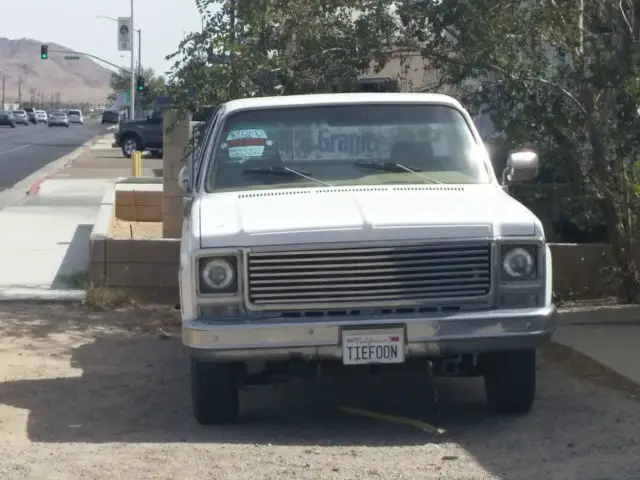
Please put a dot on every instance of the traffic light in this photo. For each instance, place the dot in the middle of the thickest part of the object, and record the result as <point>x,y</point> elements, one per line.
<point>44,52</point>
<point>140,84</point>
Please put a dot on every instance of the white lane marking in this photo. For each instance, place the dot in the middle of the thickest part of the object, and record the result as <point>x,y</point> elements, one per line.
<point>15,149</point>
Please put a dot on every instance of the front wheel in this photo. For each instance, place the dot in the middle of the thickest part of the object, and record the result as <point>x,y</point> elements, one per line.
<point>510,381</point>
<point>130,144</point>
<point>214,392</point>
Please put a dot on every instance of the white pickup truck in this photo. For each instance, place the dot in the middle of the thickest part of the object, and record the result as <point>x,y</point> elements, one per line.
<point>357,232</point>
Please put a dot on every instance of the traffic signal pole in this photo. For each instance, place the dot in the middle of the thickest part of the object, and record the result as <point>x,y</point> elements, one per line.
<point>84,54</point>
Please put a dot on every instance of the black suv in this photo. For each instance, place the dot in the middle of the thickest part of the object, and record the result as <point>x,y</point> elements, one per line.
<point>140,135</point>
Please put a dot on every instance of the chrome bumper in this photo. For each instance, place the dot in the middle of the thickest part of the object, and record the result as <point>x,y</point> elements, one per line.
<point>282,339</point>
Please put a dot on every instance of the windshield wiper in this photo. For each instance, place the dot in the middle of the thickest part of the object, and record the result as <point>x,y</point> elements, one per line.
<point>394,167</point>
<point>284,171</point>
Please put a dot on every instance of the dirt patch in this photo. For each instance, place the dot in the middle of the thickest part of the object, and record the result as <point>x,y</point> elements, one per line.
<point>101,395</point>
<point>126,229</point>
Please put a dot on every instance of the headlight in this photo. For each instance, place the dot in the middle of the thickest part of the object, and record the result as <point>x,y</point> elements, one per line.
<point>518,263</point>
<point>218,275</point>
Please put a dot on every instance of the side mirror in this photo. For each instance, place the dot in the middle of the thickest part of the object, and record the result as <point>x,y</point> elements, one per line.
<point>183,178</point>
<point>522,165</point>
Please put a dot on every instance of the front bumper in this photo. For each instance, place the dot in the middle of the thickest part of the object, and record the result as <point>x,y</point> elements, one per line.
<point>425,336</point>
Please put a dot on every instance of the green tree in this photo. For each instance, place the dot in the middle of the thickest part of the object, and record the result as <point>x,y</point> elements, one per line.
<point>275,47</point>
<point>567,87</point>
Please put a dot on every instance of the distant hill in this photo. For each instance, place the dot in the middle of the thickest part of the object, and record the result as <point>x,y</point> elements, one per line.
<point>73,80</point>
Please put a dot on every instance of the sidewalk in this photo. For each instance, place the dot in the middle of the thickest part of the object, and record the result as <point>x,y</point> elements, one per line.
<point>612,344</point>
<point>44,246</point>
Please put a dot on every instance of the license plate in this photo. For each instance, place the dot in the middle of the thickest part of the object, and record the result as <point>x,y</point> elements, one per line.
<point>370,347</point>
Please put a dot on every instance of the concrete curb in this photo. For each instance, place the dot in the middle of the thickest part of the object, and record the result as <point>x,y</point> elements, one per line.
<point>600,315</point>
<point>100,230</point>
<point>41,295</point>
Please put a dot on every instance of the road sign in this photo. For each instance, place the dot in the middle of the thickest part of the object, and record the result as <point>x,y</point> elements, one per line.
<point>72,57</point>
<point>122,99</point>
<point>124,34</point>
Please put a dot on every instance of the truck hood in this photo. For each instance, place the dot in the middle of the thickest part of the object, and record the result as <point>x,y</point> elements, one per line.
<point>323,215</point>
<point>132,123</point>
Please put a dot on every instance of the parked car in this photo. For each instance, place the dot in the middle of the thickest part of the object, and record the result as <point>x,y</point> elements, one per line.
<point>110,117</point>
<point>21,117</point>
<point>31,114</point>
<point>7,119</point>
<point>41,116</point>
<point>140,135</point>
<point>58,119</point>
<point>75,116</point>
<point>310,257</point>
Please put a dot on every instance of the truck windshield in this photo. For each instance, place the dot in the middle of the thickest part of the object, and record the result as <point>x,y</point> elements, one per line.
<point>377,144</point>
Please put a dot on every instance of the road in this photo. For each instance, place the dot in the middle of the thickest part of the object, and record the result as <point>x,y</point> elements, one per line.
<point>24,150</point>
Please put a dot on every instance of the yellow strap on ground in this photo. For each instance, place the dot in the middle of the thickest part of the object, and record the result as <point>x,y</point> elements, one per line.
<point>393,419</point>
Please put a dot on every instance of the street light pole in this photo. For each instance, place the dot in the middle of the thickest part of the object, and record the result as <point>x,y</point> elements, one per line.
<point>139,51</point>
<point>132,96</point>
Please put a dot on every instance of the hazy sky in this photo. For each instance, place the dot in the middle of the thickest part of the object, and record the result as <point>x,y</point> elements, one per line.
<point>73,23</point>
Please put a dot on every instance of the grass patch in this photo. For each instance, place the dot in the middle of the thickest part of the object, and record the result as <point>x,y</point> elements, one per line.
<point>108,298</point>
<point>77,280</point>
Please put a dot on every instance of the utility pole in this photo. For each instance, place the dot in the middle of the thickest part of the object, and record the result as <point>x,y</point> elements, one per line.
<point>139,51</point>
<point>4,77</point>
<point>20,92</point>
<point>132,95</point>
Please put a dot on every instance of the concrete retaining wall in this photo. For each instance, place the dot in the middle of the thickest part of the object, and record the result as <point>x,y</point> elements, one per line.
<point>139,202</point>
<point>144,267</point>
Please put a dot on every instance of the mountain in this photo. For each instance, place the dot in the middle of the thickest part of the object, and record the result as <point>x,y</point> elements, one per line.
<point>80,80</point>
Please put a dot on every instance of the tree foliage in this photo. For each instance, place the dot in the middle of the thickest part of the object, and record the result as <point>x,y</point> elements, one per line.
<point>252,47</point>
<point>567,87</point>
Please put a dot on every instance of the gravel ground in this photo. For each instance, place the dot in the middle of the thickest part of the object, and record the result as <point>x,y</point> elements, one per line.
<point>104,395</point>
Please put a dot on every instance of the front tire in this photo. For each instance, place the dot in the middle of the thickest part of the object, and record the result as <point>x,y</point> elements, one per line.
<point>510,381</point>
<point>130,144</point>
<point>214,392</point>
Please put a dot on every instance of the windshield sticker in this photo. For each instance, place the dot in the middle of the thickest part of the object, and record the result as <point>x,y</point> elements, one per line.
<point>245,144</point>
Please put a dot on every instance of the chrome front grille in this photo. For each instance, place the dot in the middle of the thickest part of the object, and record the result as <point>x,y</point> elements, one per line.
<point>369,275</point>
